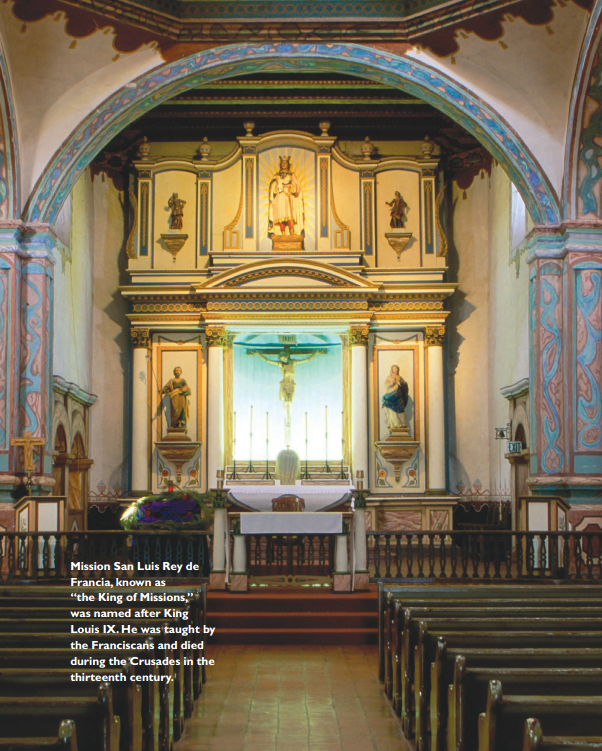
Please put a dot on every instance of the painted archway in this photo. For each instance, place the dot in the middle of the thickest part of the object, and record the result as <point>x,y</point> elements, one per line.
<point>145,92</point>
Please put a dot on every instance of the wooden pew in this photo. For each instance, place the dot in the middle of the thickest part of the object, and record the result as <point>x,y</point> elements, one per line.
<point>501,726</point>
<point>461,638</point>
<point>412,659</point>
<point>392,601</point>
<point>442,673</point>
<point>66,741</point>
<point>534,740</point>
<point>98,728</point>
<point>504,609</point>
<point>468,693</point>
<point>156,705</point>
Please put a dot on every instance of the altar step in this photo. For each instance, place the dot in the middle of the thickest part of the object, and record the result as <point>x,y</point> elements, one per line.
<point>293,616</point>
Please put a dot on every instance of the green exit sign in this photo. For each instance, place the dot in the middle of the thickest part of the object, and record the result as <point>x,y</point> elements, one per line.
<point>515,447</point>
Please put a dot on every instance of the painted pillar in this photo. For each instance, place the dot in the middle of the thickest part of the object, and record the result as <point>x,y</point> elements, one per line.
<point>140,340</point>
<point>216,341</point>
<point>434,338</point>
<point>565,302</point>
<point>358,341</point>
<point>26,341</point>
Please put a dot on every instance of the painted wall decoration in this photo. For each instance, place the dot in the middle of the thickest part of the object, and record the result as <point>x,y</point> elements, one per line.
<point>551,372</point>
<point>588,359</point>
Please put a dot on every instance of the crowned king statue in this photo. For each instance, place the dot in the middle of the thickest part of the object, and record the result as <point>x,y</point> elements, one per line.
<point>286,209</point>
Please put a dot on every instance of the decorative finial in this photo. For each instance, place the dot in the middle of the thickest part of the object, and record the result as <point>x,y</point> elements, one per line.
<point>248,126</point>
<point>204,150</point>
<point>324,127</point>
<point>427,147</point>
<point>367,149</point>
<point>144,149</point>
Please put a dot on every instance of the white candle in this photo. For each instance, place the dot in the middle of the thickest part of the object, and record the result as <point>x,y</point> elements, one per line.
<point>267,425</point>
<point>326,417</point>
<point>234,431</point>
<point>306,427</point>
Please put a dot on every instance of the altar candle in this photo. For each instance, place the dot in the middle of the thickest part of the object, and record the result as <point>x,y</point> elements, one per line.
<point>326,416</point>
<point>267,425</point>
<point>306,427</point>
<point>234,431</point>
<point>251,419</point>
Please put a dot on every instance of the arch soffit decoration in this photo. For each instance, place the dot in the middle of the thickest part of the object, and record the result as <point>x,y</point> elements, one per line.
<point>60,418</point>
<point>582,153</point>
<point>150,89</point>
<point>294,267</point>
<point>10,203</point>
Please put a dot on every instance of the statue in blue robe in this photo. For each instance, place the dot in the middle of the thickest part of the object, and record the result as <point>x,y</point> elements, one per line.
<point>395,399</point>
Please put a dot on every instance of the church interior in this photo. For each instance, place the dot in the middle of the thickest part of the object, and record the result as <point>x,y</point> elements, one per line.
<point>301,313</point>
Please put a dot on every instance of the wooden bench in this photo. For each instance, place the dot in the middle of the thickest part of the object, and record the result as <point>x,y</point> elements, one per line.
<point>127,694</point>
<point>442,673</point>
<point>393,599</point>
<point>66,741</point>
<point>157,709</point>
<point>534,740</point>
<point>414,656</point>
<point>98,729</point>
<point>467,694</point>
<point>462,638</point>
<point>501,726</point>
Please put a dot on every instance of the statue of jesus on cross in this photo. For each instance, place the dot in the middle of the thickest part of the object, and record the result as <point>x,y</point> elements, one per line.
<point>287,364</point>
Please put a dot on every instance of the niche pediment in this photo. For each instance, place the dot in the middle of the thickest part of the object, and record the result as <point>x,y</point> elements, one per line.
<point>288,273</point>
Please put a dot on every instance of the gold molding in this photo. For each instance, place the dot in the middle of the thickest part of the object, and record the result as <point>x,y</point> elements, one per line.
<point>130,249</point>
<point>216,337</point>
<point>358,336</point>
<point>434,336</point>
<point>440,231</point>
<point>139,338</point>
<point>292,271</point>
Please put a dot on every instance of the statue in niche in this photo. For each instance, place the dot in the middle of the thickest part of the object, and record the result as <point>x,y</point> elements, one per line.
<point>176,220</point>
<point>179,391</point>
<point>286,211</point>
<point>398,207</point>
<point>287,364</point>
<point>395,399</point>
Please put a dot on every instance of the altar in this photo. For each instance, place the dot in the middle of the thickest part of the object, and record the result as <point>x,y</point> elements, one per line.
<point>295,523</point>
<point>317,498</point>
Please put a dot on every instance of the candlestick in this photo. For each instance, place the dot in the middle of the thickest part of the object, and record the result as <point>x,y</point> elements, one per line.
<point>326,465</point>
<point>266,474</point>
<point>234,474</point>
<point>250,467</point>
<point>305,474</point>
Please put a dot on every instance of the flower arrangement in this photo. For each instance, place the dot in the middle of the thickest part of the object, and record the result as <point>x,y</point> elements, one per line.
<point>172,510</point>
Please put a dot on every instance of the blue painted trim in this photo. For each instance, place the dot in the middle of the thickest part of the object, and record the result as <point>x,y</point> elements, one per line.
<point>249,198</point>
<point>429,246</point>
<point>144,245</point>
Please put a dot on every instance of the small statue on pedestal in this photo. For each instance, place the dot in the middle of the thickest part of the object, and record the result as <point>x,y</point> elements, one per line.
<point>179,391</point>
<point>398,206</point>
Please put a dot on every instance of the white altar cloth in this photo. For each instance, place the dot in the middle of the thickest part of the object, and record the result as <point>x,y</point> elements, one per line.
<point>317,497</point>
<point>290,522</point>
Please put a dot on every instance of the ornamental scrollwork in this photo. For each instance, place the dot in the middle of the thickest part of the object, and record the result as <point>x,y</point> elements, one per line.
<point>434,336</point>
<point>217,337</point>
<point>139,338</point>
<point>358,336</point>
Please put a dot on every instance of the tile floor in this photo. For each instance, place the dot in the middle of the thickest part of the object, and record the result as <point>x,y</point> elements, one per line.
<point>294,698</point>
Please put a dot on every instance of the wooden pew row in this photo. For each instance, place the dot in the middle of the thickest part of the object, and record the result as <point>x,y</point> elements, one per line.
<point>501,726</point>
<point>418,648</point>
<point>156,705</point>
<point>442,673</point>
<point>408,593</point>
<point>501,608</point>
<point>195,608</point>
<point>65,741</point>
<point>534,740</point>
<point>171,704</point>
<point>539,596</point>
<point>127,695</point>
<point>468,693</point>
<point>98,728</point>
<point>475,639</point>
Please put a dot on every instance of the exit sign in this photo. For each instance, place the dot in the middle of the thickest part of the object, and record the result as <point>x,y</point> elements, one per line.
<point>515,447</point>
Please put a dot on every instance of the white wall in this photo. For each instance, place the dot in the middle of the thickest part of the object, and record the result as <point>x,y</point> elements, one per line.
<point>73,288</point>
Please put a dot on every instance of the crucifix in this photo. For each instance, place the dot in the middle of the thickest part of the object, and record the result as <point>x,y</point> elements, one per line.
<point>27,442</point>
<point>287,364</point>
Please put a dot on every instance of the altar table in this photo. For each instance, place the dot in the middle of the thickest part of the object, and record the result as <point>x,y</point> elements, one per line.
<point>291,522</point>
<point>317,497</point>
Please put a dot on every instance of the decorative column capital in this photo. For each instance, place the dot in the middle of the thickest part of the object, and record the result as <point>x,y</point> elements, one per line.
<point>434,336</point>
<point>358,336</point>
<point>216,337</point>
<point>139,338</point>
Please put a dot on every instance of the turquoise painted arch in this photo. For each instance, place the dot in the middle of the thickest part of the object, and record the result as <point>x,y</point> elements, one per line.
<point>149,90</point>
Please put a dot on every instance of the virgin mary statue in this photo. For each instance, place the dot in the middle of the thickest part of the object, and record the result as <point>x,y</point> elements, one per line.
<point>395,399</point>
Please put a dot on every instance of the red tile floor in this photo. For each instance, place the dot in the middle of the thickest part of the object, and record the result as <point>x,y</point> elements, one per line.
<point>306,698</point>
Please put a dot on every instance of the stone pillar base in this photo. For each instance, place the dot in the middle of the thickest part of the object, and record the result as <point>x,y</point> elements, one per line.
<point>217,580</point>
<point>362,581</point>
<point>341,583</point>
<point>239,582</point>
